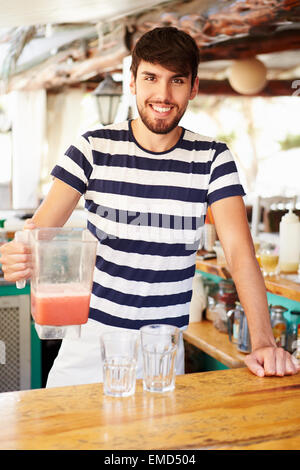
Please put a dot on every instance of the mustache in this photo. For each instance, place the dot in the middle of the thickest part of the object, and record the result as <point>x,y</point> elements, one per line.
<point>161,103</point>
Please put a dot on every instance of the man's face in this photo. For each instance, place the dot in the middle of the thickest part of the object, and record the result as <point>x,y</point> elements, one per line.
<point>162,96</point>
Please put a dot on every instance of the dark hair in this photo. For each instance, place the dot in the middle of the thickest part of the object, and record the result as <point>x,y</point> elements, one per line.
<point>169,47</point>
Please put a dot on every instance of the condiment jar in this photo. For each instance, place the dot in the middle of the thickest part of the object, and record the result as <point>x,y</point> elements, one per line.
<point>227,294</point>
<point>289,240</point>
<point>279,324</point>
<point>225,301</point>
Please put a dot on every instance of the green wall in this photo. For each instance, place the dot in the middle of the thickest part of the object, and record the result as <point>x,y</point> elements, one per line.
<point>36,354</point>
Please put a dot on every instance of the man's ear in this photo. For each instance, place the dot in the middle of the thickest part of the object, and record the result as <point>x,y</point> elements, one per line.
<point>195,88</point>
<point>132,84</point>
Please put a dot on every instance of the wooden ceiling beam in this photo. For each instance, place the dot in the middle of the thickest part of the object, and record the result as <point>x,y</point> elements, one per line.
<point>241,48</point>
<point>273,88</point>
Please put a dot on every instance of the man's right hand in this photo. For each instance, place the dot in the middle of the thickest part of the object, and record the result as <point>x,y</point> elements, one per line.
<point>16,258</point>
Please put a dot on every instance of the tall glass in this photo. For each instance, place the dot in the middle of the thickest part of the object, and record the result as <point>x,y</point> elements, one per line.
<point>159,348</point>
<point>119,351</point>
<point>269,258</point>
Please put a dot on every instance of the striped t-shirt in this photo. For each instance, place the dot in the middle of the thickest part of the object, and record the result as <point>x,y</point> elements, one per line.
<point>147,210</point>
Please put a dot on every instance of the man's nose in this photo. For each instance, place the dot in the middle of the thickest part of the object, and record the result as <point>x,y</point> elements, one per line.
<point>163,92</point>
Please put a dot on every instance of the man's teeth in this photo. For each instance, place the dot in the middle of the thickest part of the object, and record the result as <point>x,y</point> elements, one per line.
<point>161,110</point>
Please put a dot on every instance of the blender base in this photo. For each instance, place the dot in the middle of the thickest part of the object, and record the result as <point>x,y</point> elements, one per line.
<point>58,332</point>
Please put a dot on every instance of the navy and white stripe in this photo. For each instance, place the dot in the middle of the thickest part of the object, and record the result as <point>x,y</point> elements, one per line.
<point>147,209</point>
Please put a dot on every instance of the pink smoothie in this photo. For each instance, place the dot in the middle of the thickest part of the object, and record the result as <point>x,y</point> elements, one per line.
<point>62,304</point>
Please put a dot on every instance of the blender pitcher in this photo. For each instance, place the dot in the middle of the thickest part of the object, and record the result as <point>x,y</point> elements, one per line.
<point>63,261</point>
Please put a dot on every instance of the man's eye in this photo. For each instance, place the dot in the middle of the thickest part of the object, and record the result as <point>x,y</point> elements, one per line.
<point>149,79</point>
<point>178,81</point>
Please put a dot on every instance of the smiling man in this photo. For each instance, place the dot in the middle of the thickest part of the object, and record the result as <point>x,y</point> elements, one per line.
<point>164,79</point>
<point>147,184</point>
<point>162,97</point>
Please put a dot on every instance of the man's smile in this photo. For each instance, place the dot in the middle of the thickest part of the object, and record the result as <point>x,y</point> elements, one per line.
<point>160,109</point>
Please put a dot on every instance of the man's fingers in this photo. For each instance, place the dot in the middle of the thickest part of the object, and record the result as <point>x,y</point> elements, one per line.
<point>254,366</point>
<point>18,276</point>
<point>14,248</point>
<point>271,361</point>
<point>292,365</point>
<point>280,362</point>
<point>16,261</point>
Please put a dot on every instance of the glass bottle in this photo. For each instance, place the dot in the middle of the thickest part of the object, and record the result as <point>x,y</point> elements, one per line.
<point>237,322</point>
<point>234,321</point>
<point>279,324</point>
<point>225,301</point>
<point>227,294</point>
<point>292,331</point>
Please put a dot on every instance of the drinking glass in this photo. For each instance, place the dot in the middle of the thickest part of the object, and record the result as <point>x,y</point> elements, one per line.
<point>159,348</point>
<point>269,258</point>
<point>119,351</point>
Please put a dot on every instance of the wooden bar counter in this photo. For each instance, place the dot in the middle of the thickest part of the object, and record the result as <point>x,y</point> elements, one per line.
<point>230,409</point>
<point>208,339</point>
<point>279,285</point>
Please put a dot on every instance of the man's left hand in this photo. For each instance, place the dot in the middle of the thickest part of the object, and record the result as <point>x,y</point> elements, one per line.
<point>270,361</point>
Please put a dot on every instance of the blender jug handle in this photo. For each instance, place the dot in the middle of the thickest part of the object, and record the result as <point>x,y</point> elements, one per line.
<point>23,237</point>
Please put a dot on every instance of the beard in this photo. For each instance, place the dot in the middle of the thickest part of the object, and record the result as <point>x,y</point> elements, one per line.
<point>156,125</point>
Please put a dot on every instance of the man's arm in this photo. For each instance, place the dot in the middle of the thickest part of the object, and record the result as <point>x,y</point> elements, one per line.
<point>58,205</point>
<point>233,231</point>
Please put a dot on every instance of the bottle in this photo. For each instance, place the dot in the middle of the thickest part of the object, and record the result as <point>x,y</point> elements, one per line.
<point>279,325</point>
<point>244,341</point>
<point>292,331</point>
<point>227,293</point>
<point>289,240</point>
<point>237,322</point>
<point>198,300</point>
<point>234,322</point>
<point>225,301</point>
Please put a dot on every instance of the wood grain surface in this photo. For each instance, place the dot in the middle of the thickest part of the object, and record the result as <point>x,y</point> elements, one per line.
<point>230,409</point>
<point>286,288</point>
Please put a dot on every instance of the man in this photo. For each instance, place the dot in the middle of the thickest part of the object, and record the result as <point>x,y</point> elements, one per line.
<point>147,184</point>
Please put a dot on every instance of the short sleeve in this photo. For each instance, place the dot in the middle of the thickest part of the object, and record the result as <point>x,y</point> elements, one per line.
<point>76,165</point>
<point>224,179</point>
